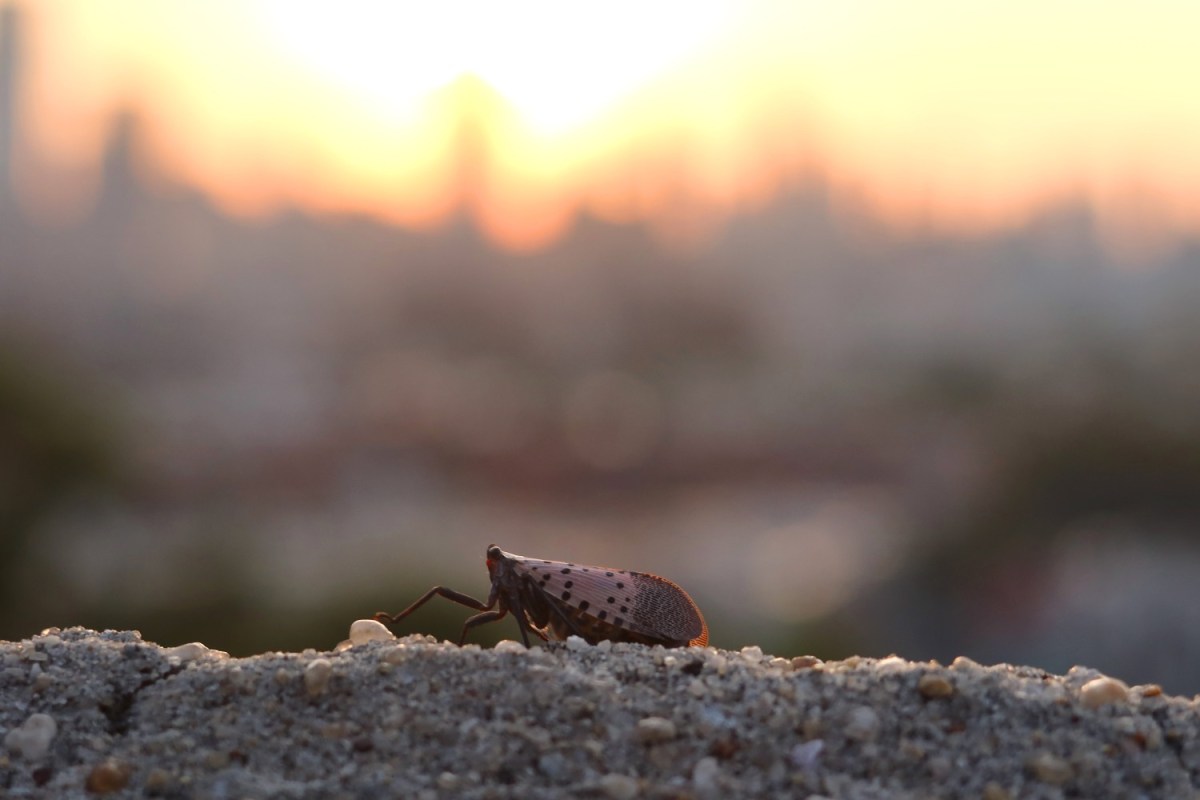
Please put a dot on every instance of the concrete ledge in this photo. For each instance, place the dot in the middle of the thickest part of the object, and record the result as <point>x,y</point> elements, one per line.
<point>85,713</point>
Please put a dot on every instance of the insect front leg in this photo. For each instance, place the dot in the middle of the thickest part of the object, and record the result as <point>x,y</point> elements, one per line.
<point>442,591</point>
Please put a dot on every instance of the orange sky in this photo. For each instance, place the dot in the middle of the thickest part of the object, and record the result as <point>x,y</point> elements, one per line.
<point>934,112</point>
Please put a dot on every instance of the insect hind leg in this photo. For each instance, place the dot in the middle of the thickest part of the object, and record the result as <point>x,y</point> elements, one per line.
<point>482,619</point>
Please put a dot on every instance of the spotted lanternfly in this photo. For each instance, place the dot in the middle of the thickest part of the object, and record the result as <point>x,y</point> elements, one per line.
<point>555,599</point>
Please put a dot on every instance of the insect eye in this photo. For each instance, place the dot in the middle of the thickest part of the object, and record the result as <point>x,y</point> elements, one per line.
<point>494,553</point>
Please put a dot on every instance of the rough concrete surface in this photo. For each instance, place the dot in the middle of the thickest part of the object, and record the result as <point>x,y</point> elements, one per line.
<point>86,713</point>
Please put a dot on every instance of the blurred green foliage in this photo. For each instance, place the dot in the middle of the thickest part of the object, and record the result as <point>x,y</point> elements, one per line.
<point>57,439</point>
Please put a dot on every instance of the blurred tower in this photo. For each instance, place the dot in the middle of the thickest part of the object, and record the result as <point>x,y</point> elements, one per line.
<point>478,113</point>
<point>9,66</point>
<point>120,186</point>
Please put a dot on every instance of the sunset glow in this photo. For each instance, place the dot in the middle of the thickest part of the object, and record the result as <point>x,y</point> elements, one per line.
<point>931,113</point>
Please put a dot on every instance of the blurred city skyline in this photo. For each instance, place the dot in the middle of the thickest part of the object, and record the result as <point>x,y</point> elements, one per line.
<point>305,415</point>
<point>927,115</point>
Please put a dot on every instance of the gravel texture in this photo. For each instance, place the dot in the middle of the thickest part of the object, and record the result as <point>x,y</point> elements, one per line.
<point>86,714</point>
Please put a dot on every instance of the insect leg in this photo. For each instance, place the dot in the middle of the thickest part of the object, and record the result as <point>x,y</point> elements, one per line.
<point>570,624</point>
<point>518,609</point>
<point>481,619</point>
<point>449,594</point>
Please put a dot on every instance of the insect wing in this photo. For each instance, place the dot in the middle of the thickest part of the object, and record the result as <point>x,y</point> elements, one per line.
<point>645,604</point>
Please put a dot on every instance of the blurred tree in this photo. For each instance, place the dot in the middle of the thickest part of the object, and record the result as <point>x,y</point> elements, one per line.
<point>55,441</point>
<point>981,584</point>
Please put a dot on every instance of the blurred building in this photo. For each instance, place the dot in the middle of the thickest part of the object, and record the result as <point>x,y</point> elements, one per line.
<point>9,80</point>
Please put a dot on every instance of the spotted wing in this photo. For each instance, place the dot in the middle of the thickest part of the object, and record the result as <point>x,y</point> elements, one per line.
<point>645,604</point>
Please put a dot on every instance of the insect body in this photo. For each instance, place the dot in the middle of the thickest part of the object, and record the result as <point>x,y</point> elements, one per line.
<point>555,599</point>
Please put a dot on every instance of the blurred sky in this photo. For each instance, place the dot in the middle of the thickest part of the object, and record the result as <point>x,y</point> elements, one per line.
<point>935,112</point>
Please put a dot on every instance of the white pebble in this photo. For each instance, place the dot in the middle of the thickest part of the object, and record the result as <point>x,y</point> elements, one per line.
<point>32,740</point>
<point>448,781</point>
<point>509,646</point>
<point>316,676</point>
<point>1103,691</point>
<point>619,787</point>
<point>576,644</point>
<point>369,630</point>
<point>863,724</point>
<point>187,652</point>
<point>704,777</point>
<point>805,754</point>
<point>655,729</point>
<point>752,652</point>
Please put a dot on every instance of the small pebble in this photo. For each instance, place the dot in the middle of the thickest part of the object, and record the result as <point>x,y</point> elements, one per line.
<point>939,767</point>
<point>806,754</point>
<point>1103,691</point>
<point>316,676</point>
<point>552,765</point>
<point>32,740</point>
<point>862,724</point>
<point>158,780</point>
<point>619,787</point>
<point>369,630</point>
<point>187,652</point>
<point>806,662</point>
<point>448,781</point>
<point>994,791</point>
<point>704,777</point>
<point>931,685</point>
<point>1049,768</point>
<point>110,775</point>
<point>509,646</point>
<point>655,729</point>
<point>576,644</point>
<point>396,655</point>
